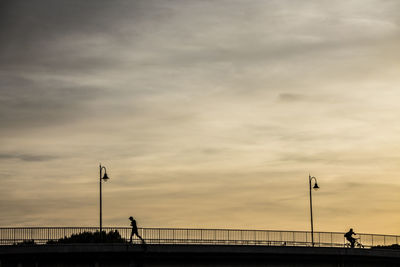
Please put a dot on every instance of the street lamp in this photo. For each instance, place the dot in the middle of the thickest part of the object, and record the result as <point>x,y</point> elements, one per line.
<point>105,179</point>
<point>315,187</point>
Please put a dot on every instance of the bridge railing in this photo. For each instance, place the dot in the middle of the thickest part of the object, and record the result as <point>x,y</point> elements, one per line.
<point>42,235</point>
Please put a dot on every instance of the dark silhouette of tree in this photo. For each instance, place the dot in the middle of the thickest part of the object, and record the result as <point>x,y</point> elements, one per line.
<point>91,237</point>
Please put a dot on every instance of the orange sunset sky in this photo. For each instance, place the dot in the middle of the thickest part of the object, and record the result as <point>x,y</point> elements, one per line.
<point>207,114</point>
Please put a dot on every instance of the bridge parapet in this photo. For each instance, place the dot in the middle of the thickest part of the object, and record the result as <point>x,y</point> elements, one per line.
<point>42,235</point>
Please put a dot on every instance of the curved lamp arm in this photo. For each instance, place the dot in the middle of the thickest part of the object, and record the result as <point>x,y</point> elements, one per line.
<point>315,187</point>
<point>105,176</point>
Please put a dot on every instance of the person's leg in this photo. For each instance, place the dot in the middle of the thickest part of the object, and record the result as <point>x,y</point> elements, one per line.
<point>130,241</point>
<point>141,238</point>
<point>137,234</point>
<point>353,241</point>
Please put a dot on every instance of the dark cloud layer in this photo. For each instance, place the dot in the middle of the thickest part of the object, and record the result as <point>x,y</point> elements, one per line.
<point>27,157</point>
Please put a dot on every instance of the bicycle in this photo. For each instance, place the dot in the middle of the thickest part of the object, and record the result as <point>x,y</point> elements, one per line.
<point>357,244</point>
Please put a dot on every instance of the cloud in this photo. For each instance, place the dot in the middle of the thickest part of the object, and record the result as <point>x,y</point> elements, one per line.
<point>26,102</point>
<point>27,157</point>
<point>205,112</point>
<point>288,97</point>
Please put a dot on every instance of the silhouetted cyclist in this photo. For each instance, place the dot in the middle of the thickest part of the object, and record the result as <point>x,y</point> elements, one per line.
<point>350,238</point>
<point>135,230</point>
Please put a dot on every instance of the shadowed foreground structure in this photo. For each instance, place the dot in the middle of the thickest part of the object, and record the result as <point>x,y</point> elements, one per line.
<point>64,246</point>
<point>193,255</point>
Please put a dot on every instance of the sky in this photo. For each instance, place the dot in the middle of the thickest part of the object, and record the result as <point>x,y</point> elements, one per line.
<point>206,114</point>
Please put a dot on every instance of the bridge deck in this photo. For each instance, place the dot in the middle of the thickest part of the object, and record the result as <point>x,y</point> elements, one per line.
<point>194,255</point>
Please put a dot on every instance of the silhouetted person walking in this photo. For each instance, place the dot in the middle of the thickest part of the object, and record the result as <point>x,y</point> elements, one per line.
<point>350,238</point>
<point>135,230</point>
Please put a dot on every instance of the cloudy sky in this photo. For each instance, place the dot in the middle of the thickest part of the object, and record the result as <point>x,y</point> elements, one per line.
<point>205,113</point>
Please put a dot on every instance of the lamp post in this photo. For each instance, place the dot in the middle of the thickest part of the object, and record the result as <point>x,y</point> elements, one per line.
<point>105,179</point>
<point>315,187</point>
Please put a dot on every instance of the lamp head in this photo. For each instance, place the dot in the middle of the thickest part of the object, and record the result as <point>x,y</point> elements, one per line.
<point>105,177</point>
<point>315,187</point>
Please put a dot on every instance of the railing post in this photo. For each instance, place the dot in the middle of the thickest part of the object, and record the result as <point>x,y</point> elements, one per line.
<point>47,234</point>
<point>306,238</point>
<point>319,239</point>
<point>294,238</point>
